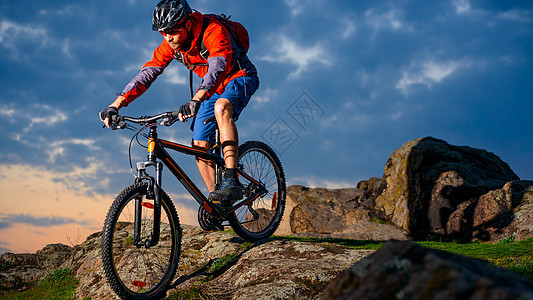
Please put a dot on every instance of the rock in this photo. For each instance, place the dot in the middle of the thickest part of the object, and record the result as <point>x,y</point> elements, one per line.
<point>521,225</point>
<point>406,270</point>
<point>336,213</point>
<point>7,282</point>
<point>427,179</point>
<point>86,265</point>
<point>284,270</point>
<point>429,188</point>
<point>283,267</point>
<point>53,255</point>
<point>496,215</point>
<point>198,248</point>
<point>24,268</point>
<point>320,210</point>
<point>371,188</point>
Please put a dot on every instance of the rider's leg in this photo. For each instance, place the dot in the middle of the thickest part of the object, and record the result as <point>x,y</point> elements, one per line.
<point>231,189</point>
<point>206,167</point>
<point>229,137</point>
<point>227,108</point>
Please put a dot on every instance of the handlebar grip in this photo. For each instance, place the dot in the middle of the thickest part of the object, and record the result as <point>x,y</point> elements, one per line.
<point>113,119</point>
<point>117,122</point>
<point>170,117</point>
<point>174,114</point>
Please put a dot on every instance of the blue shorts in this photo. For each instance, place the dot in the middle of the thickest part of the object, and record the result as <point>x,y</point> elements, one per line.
<point>238,92</point>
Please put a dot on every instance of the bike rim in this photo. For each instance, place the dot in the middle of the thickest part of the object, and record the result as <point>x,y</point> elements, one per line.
<point>257,217</point>
<point>141,270</point>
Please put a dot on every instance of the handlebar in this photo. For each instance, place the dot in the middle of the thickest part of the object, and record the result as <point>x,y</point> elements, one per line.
<point>166,118</point>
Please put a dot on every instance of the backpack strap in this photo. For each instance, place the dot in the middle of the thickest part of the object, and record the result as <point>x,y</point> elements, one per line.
<point>202,49</point>
<point>204,53</point>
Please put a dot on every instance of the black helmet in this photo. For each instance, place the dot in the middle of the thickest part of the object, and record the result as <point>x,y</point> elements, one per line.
<point>169,13</point>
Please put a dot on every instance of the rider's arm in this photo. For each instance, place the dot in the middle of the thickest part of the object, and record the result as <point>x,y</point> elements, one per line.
<point>218,42</point>
<point>201,95</point>
<point>119,103</point>
<point>150,71</point>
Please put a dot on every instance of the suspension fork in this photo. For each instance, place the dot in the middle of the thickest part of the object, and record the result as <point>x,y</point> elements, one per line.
<point>153,192</point>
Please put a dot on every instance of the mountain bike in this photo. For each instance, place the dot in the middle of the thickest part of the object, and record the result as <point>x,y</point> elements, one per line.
<point>141,238</point>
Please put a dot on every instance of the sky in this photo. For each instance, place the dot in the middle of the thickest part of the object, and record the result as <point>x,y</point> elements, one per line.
<point>343,85</point>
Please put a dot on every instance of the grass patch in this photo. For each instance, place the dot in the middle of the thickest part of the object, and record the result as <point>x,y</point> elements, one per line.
<point>57,285</point>
<point>486,250</point>
<point>376,220</point>
<point>508,253</point>
<point>221,263</point>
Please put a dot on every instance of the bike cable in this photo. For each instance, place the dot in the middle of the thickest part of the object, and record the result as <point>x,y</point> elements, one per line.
<point>135,137</point>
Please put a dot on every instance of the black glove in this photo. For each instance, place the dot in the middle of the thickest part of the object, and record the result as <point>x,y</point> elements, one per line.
<point>190,108</point>
<point>172,117</point>
<point>108,113</point>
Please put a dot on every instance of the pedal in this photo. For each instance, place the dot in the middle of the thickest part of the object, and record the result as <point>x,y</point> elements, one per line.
<point>218,211</point>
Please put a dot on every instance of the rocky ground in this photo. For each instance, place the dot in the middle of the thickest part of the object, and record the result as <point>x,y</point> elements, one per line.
<point>270,269</point>
<point>429,189</point>
<point>282,269</point>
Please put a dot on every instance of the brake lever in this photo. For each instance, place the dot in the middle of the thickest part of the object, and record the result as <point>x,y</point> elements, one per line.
<point>171,118</point>
<point>117,122</point>
<point>165,122</point>
<point>119,125</point>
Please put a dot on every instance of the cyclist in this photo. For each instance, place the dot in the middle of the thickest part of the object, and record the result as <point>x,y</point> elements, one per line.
<point>229,79</point>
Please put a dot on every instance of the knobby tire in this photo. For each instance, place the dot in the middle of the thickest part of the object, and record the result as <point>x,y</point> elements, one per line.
<point>261,218</point>
<point>139,272</point>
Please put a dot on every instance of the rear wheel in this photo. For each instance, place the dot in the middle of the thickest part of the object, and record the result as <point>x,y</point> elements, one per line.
<point>260,218</point>
<point>142,271</point>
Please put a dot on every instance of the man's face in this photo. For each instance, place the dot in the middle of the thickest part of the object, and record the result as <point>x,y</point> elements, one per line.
<point>175,37</point>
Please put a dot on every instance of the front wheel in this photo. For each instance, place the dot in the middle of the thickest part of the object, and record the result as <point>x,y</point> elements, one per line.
<point>260,218</point>
<point>138,270</point>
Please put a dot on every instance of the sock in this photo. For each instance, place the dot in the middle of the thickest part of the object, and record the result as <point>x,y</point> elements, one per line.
<point>230,173</point>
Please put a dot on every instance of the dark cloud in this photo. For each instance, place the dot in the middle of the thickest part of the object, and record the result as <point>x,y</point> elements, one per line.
<point>383,72</point>
<point>5,224</point>
<point>9,220</point>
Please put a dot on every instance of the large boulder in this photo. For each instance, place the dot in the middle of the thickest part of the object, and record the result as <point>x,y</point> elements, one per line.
<point>427,179</point>
<point>406,270</point>
<point>337,213</point>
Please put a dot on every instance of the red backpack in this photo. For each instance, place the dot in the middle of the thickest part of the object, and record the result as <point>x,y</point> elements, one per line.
<point>238,34</point>
<point>240,42</point>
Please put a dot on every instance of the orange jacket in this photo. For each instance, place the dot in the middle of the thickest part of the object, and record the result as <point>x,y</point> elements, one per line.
<point>221,68</point>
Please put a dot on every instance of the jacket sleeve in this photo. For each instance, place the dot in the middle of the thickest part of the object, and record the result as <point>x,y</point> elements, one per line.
<point>162,57</point>
<point>218,43</point>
